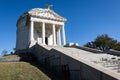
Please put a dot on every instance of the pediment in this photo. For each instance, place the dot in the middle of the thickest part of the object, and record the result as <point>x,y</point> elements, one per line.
<point>46,13</point>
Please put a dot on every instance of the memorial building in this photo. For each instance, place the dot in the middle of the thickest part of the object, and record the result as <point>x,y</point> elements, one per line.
<point>42,26</point>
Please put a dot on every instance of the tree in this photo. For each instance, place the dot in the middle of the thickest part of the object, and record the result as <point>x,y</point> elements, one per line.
<point>11,53</point>
<point>90,45</point>
<point>4,52</point>
<point>103,42</point>
<point>117,47</point>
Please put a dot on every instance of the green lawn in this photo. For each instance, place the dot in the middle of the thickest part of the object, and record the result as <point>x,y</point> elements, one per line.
<point>21,71</point>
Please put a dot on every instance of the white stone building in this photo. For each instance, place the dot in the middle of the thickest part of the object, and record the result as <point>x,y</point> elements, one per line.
<point>42,26</point>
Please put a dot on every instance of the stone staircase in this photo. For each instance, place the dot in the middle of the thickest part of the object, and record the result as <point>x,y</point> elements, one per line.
<point>102,62</point>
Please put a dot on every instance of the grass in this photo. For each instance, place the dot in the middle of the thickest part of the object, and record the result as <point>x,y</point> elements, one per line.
<point>21,71</point>
<point>9,56</point>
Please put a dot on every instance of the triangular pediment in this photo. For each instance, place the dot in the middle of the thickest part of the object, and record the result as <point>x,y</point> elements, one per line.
<point>46,13</point>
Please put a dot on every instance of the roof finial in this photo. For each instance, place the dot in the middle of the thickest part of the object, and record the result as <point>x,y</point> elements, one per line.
<point>48,6</point>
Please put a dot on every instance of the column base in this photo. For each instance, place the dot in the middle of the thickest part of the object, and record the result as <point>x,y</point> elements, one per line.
<point>43,44</point>
<point>54,44</point>
<point>32,43</point>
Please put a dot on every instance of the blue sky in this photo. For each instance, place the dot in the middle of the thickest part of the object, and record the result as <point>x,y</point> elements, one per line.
<point>86,19</point>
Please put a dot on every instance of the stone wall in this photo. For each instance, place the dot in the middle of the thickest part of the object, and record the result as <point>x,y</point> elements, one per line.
<point>113,52</point>
<point>67,67</point>
<point>22,40</point>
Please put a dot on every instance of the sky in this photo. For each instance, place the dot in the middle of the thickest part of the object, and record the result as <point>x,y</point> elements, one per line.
<point>86,19</point>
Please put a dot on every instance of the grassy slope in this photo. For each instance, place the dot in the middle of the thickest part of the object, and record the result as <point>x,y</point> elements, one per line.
<point>20,71</point>
<point>9,56</point>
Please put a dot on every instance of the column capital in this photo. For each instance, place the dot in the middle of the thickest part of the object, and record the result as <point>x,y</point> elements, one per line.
<point>63,25</point>
<point>32,21</point>
<point>43,22</point>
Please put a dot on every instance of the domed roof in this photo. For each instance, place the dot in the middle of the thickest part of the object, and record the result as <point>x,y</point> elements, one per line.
<point>46,14</point>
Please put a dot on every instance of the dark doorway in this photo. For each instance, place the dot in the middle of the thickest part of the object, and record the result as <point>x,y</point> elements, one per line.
<point>46,40</point>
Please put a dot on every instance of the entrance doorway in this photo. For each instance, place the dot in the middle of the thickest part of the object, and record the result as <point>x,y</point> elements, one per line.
<point>46,40</point>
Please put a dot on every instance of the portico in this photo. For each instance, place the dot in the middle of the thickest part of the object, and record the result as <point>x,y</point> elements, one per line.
<point>48,32</point>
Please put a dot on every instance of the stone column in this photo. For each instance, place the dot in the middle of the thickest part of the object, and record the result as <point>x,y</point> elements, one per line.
<point>43,33</point>
<point>63,36</point>
<point>38,40</point>
<point>58,37</point>
<point>54,34</point>
<point>31,31</point>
